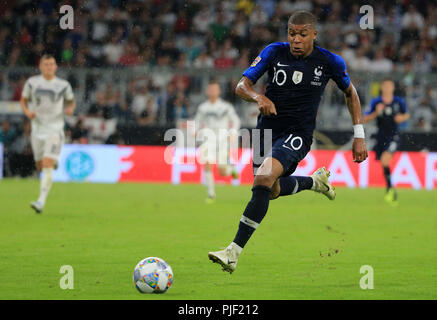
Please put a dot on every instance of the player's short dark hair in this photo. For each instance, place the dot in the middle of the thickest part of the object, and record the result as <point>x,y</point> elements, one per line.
<point>387,79</point>
<point>213,81</point>
<point>47,56</point>
<point>303,17</point>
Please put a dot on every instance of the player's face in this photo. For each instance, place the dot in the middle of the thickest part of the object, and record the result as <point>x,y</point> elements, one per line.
<point>213,91</point>
<point>48,67</point>
<point>301,38</point>
<point>387,87</point>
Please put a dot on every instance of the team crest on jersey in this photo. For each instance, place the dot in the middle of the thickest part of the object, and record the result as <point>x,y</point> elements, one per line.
<point>297,77</point>
<point>255,62</point>
<point>318,72</point>
<point>317,75</point>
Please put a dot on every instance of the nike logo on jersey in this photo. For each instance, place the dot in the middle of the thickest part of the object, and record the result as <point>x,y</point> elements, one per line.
<point>282,65</point>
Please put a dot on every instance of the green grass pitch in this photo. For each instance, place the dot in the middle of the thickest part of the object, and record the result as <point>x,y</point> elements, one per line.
<point>307,247</point>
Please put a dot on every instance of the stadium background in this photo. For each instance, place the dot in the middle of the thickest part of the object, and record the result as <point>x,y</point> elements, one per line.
<point>134,75</point>
<point>140,67</point>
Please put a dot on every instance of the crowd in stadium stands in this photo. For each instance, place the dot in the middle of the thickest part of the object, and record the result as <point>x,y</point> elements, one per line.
<point>219,34</point>
<point>204,34</point>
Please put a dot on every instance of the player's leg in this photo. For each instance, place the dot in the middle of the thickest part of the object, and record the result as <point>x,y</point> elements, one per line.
<point>52,150</point>
<point>384,150</point>
<point>38,165</point>
<point>225,168</point>
<point>267,175</point>
<point>391,195</point>
<point>385,163</point>
<point>208,158</point>
<point>46,180</point>
<point>37,145</point>
<point>270,170</point>
<point>317,182</point>
<point>209,181</point>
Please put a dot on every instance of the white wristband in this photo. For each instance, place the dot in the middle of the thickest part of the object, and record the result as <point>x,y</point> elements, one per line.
<point>358,131</point>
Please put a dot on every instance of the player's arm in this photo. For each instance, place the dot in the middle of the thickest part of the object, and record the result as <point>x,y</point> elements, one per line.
<point>25,94</point>
<point>70,103</point>
<point>375,112</point>
<point>246,91</point>
<point>199,118</point>
<point>27,112</point>
<point>70,106</point>
<point>403,115</point>
<point>233,118</point>
<point>259,66</point>
<point>341,78</point>
<point>359,149</point>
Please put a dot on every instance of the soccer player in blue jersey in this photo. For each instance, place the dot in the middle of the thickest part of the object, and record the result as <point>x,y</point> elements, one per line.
<point>389,111</point>
<point>298,72</point>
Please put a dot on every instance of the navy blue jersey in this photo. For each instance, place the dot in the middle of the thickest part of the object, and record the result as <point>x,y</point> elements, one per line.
<point>295,86</point>
<point>387,127</point>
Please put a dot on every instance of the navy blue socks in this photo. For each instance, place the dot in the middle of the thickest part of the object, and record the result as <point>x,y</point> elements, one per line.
<point>387,177</point>
<point>294,184</point>
<point>255,211</point>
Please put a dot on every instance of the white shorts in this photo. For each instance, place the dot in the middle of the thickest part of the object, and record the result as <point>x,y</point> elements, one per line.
<point>215,152</point>
<point>49,147</point>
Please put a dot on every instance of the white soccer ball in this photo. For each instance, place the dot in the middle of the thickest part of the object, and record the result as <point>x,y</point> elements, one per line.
<point>153,275</point>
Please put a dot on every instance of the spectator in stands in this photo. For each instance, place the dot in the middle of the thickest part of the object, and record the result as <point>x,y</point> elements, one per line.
<point>217,34</point>
<point>203,19</point>
<point>177,108</point>
<point>67,53</point>
<point>16,58</point>
<point>183,61</point>
<point>381,63</point>
<point>21,156</point>
<point>360,62</point>
<point>412,19</point>
<point>7,134</point>
<point>203,61</point>
<point>79,133</point>
<point>190,49</point>
<point>7,137</point>
<point>148,115</point>
<point>113,50</point>
<point>181,24</point>
<point>268,6</point>
<point>423,117</point>
<point>258,16</point>
<point>219,29</point>
<point>140,98</point>
<point>115,138</point>
<point>223,61</point>
<point>100,108</point>
<point>17,87</point>
<point>124,115</point>
<point>130,55</point>
<point>180,107</point>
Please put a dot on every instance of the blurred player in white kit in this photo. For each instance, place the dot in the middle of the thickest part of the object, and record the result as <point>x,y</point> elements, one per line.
<point>42,101</point>
<point>216,116</point>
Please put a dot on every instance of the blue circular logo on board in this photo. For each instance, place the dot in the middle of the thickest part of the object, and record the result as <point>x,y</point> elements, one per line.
<point>79,165</point>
